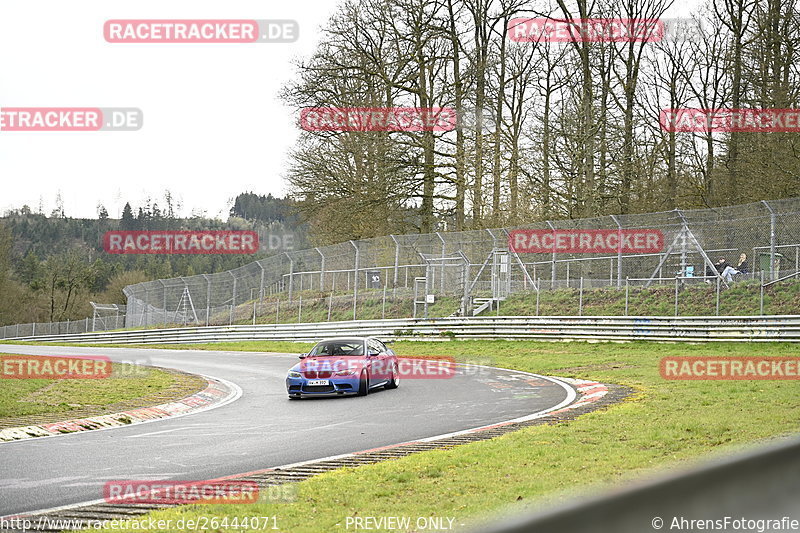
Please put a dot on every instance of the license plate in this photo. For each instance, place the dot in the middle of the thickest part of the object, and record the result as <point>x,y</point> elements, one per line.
<point>313,382</point>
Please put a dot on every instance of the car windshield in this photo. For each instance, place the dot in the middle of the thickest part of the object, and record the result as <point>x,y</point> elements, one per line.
<point>338,347</point>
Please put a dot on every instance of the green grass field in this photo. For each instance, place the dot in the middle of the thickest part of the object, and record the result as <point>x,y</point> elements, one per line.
<point>22,397</point>
<point>665,423</point>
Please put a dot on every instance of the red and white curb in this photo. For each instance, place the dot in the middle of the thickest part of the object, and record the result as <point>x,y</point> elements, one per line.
<point>217,393</point>
<point>588,392</point>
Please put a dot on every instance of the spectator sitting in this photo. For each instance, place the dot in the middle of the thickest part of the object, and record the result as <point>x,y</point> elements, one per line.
<point>743,267</point>
<point>725,270</point>
<point>714,272</point>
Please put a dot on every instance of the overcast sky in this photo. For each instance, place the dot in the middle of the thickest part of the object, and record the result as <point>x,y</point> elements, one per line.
<point>213,125</point>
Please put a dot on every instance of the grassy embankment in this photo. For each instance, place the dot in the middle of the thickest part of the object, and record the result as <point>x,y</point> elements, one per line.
<point>26,397</point>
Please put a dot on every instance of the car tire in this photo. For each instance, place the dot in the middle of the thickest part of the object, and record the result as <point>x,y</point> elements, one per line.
<point>363,384</point>
<point>293,397</point>
<point>395,381</point>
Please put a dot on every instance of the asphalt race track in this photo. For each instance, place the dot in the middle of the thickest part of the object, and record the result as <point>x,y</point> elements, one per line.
<point>262,429</point>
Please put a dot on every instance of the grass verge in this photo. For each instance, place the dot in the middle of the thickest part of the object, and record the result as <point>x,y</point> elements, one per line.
<point>664,423</point>
<point>25,397</point>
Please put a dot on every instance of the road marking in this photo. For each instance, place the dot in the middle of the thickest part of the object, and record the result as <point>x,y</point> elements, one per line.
<point>153,433</point>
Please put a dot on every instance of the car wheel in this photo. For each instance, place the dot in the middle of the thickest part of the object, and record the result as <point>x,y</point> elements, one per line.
<point>363,384</point>
<point>395,381</point>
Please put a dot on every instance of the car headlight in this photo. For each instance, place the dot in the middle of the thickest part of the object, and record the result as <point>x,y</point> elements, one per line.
<point>345,373</point>
<point>293,374</point>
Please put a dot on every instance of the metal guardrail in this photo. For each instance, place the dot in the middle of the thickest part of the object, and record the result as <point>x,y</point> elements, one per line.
<point>760,484</point>
<point>598,328</point>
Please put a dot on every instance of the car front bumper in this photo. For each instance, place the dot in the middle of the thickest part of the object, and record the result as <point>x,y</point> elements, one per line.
<point>338,386</point>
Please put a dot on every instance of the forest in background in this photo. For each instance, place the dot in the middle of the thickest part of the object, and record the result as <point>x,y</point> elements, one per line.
<point>51,267</point>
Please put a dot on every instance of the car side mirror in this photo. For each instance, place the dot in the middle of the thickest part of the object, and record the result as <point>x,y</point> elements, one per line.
<point>303,355</point>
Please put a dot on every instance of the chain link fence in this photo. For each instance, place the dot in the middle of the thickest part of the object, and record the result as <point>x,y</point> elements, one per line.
<point>463,273</point>
<point>465,270</point>
<point>105,317</point>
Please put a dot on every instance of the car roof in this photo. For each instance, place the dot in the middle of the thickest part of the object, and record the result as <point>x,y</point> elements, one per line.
<point>349,338</point>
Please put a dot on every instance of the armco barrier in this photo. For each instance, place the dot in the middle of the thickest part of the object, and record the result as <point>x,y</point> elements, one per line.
<point>601,328</point>
<point>760,484</point>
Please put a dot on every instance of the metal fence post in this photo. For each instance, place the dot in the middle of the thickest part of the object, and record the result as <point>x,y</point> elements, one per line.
<point>772,240</point>
<point>208,298</point>
<point>233,296</point>
<point>626,295</point>
<point>396,259</point>
<point>553,261</point>
<point>580,299</point>
<point>717,296</point>
<point>164,299</point>
<point>355,278</point>
<point>145,320</point>
<point>676,296</point>
<point>619,251</point>
<point>261,283</point>
<point>444,251</point>
<point>321,269</point>
<point>291,274</point>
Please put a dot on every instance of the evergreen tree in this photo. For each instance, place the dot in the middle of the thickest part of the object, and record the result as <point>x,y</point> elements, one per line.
<point>128,222</point>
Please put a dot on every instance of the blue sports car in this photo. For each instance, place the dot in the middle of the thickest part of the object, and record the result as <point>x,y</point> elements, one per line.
<point>339,366</point>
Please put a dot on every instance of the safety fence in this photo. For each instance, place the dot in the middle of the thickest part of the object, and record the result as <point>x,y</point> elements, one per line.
<point>479,264</point>
<point>104,317</point>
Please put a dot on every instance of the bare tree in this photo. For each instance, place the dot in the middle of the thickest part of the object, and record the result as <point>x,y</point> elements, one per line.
<point>629,59</point>
<point>735,15</point>
<point>705,75</point>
